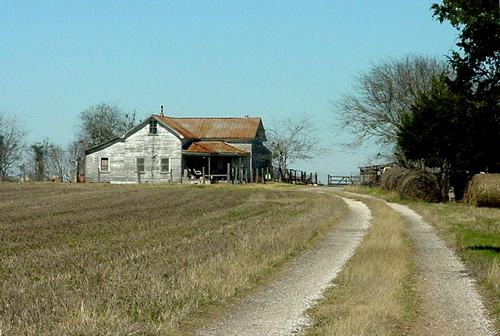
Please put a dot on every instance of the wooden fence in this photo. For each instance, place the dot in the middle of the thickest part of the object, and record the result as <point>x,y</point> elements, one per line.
<point>241,175</point>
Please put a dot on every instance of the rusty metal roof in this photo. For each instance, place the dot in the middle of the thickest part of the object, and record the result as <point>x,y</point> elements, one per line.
<point>214,128</point>
<point>213,147</point>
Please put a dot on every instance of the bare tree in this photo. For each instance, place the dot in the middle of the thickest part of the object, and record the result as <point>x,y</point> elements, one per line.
<point>383,95</point>
<point>58,162</point>
<point>76,158</point>
<point>11,144</point>
<point>46,160</point>
<point>103,122</point>
<point>293,140</point>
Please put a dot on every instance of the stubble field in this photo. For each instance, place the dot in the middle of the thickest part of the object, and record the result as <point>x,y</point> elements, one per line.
<point>145,260</point>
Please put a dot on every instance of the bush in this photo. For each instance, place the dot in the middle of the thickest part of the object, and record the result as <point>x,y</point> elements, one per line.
<point>419,185</point>
<point>483,190</point>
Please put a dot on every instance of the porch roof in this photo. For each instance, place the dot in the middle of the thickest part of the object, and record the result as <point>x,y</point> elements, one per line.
<point>213,148</point>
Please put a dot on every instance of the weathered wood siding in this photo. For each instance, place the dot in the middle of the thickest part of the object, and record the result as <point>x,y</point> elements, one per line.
<point>123,155</point>
<point>260,156</point>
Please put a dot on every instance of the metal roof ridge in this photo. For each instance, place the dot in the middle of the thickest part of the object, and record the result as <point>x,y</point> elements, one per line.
<point>215,117</point>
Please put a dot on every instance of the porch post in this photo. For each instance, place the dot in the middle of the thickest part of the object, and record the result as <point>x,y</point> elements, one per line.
<point>240,173</point>
<point>209,166</point>
<point>228,172</point>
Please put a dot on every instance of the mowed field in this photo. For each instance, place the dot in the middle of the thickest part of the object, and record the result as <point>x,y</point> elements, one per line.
<point>144,259</point>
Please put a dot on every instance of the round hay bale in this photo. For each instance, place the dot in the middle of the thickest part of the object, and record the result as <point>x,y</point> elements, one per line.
<point>483,190</point>
<point>391,177</point>
<point>419,185</point>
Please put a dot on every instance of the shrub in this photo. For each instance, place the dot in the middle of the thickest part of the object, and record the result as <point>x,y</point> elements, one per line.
<point>483,190</point>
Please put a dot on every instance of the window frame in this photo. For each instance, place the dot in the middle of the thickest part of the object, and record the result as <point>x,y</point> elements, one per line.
<point>137,165</point>
<point>153,125</point>
<point>100,164</point>
<point>161,165</point>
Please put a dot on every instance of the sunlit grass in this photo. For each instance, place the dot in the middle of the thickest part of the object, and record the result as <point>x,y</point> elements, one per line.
<point>145,260</point>
<point>374,294</point>
<point>474,233</point>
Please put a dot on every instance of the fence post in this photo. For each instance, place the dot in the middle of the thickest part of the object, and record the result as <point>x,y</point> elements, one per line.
<point>316,178</point>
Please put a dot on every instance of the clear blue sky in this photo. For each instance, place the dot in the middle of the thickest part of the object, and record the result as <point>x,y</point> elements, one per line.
<point>272,59</point>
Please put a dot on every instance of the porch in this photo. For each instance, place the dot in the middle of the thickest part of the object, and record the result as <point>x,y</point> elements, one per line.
<point>211,162</point>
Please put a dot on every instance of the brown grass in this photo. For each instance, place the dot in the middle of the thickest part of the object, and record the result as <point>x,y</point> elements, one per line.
<point>374,294</point>
<point>484,190</point>
<point>144,260</point>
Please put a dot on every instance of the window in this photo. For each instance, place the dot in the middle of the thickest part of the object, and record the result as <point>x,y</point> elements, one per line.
<point>140,165</point>
<point>153,127</point>
<point>104,165</point>
<point>165,165</point>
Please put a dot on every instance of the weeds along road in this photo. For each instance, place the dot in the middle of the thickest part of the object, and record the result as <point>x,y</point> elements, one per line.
<point>278,309</point>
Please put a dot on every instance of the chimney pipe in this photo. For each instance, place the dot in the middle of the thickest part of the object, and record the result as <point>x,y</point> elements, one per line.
<point>161,110</point>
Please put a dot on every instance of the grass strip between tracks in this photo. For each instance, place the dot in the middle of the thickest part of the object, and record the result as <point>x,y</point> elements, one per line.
<point>375,293</point>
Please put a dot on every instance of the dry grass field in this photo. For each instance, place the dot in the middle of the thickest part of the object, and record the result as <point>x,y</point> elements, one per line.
<point>143,260</point>
<point>375,293</point>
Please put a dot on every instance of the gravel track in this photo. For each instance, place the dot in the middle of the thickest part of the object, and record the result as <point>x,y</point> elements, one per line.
<point>278,309</point>
<point>451,304</point>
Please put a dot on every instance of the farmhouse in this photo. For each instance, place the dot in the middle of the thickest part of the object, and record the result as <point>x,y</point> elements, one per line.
<point>167,149</point>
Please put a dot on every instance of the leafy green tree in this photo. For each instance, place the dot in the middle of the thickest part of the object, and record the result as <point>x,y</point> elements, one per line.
<point>456,125</point>
<point>432,131</point>
<point>476,74</point>
<point>39,156</point>
<point>477,63</point>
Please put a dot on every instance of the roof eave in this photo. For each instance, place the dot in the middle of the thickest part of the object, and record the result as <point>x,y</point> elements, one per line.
<point>212,154</point>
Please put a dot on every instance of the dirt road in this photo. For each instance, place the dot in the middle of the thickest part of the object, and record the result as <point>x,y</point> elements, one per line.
<point>278,309</point>
<point>451,304</point>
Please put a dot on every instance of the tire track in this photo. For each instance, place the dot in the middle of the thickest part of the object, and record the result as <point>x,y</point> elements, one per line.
<point>451,304</point>
<point>278,309</point>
